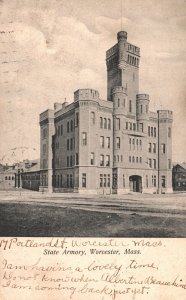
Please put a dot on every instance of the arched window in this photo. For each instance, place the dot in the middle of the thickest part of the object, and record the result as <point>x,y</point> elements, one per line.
<point>101,122</point>
<point>118,102</point>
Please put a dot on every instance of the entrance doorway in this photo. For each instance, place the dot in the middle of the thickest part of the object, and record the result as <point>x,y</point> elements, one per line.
<point>135,183</point>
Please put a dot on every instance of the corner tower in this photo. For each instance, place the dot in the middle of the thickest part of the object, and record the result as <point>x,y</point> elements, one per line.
<point>123,70</point>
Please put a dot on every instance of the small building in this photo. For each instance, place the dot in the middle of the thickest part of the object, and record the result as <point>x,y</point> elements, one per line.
<point>179,177</point>
<point>7,178</point>
<point>30,177</point>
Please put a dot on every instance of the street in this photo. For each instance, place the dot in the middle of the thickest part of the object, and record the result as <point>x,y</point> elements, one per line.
<point>27,213</point>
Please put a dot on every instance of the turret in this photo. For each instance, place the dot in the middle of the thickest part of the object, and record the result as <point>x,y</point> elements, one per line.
<point>142,107</point>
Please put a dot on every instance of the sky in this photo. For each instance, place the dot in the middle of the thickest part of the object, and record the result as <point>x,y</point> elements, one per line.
<point>49,49</point>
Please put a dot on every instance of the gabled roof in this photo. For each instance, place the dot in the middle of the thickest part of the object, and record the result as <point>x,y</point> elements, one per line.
<point>180,165</point>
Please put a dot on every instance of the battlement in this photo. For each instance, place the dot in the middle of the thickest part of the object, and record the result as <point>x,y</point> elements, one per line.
<point>165,114</point>
<point>46,115</point>
<point>119,89</point>
<point>86,94</point>
<point>140,97</point>
<point>112,51</point>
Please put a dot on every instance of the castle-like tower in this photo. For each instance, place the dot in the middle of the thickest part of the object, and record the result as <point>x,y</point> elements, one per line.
<point>112,146</point>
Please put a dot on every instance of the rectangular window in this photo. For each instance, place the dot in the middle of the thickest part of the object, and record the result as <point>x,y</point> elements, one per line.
<point>150,163</point>
<point>67,161</point>
<point>169,132</point>
<point>108,142</point>
<point>107,160</point>
<point>154,148</point>
<point>44,133</point>
<point>147,181</point>
<point>140,126</point>
<point>163,181</point>
<point>118,143</point>
<point>84,180</point>
<point>68,181</point>
<point>77,159</point>
<point>71,125</point>
<point>163,148</point>
<point>105,123</point>
<point>102,141</point>
<point>154,180</point>
<point>92,158</point>
<point>101,160</point>
<point>123,180</point>
<point>61,129</point>
<point>44,148</point>
<point>150,147</point>
<point>71,161</point>
<point>154,131</point>
<point>68,126</point>
<point>84,138</point>
<point>77,119</point>
<point>68,143</point>
<point>109,124</point>
<point>105,180</point>
<point>101,122</point>
<point>117,120</point>
<point>101,180</point>
<point>71,181</point>
<point>71,144</point>
<point>108,180</point>
<point>130,106</point>
<point>154,162</point>
<point>127,125</point>
<point>58,130</point>
<point>92,117</point>
<point>148,130</point>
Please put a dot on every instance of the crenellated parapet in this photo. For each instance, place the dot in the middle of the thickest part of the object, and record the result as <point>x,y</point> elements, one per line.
<point>86,94</point>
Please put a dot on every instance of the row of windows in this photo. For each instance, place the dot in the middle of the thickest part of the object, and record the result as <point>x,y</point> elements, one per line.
<point>152,148</point>
<point>135,144</point>
<point>31,177</point>
<point>154,181</point>
<point>134,126</point>
<point>152,131</point>
<point>133,159</point>
<point>183,183</point>
<point>104,180</point>
<point>70,126</point>
<point>70,162</point>
<point>133,60</point>
<point>142,108</point>
<point>9,177</point>
<point>105,123</point>
<point>70,144</point>
<point>152,163</point>
<point>118,158</point>
<point>102,142</point>
<point>104,160</point>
